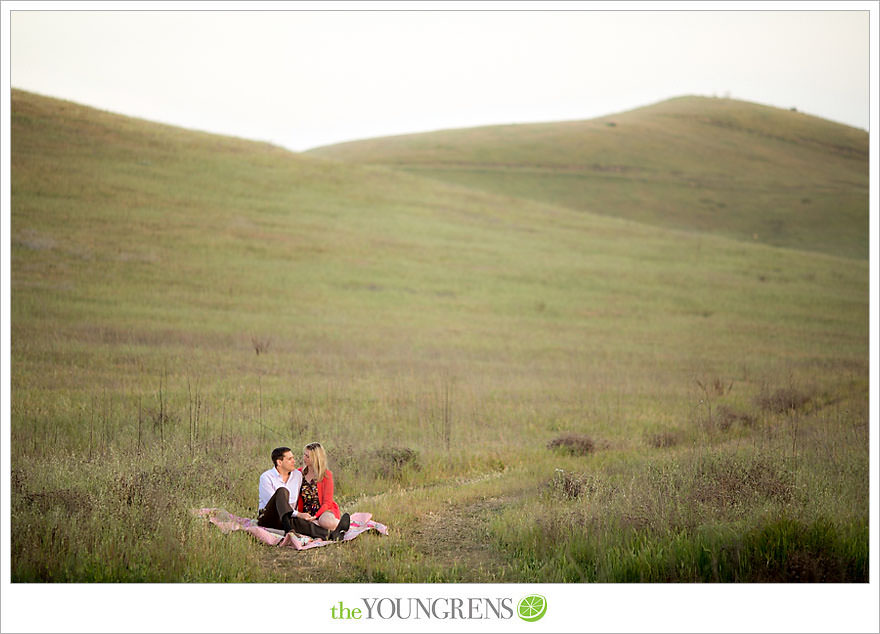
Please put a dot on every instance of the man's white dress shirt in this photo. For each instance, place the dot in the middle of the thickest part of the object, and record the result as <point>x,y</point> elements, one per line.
<point>270,480</point>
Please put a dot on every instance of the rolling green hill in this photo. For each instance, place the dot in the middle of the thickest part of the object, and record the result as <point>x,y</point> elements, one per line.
<point>723,166</point>
<point>184,302</point>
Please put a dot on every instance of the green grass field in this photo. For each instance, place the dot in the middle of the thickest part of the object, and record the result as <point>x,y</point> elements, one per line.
<point>574,392</point>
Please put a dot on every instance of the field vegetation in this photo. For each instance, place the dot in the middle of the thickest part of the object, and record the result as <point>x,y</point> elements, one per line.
<point>521,389</point>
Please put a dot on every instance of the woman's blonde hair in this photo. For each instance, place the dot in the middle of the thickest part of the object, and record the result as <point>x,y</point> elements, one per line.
<point>318,458</point>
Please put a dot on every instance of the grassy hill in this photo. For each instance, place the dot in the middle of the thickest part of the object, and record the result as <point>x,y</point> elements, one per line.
<point>679,403</point>
<point>729,167</point>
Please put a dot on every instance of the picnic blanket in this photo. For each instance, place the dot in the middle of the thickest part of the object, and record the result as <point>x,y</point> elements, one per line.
<point>227,522</point>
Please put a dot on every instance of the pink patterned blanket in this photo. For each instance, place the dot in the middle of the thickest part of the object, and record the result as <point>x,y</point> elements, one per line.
<point>227,522</point>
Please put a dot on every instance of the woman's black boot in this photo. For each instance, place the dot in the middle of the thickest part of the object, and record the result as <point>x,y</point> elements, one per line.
<point>339,532</point>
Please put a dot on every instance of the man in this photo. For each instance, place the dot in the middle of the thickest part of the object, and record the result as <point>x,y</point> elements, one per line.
<point>279,489</point>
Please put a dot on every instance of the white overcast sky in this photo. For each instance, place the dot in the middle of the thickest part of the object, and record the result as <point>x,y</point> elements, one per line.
<point>301,79</point>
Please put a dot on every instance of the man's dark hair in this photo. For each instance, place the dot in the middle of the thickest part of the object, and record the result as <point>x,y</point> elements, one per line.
<point>278,454</point>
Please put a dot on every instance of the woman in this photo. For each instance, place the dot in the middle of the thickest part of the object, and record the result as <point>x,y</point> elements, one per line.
<point>315,502</point>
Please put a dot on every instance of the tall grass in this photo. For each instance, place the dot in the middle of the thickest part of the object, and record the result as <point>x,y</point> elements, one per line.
<point>781,499</point>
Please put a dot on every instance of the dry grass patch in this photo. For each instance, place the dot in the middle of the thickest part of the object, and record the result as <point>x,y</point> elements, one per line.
<point>783,400</point>
<point>728,482</point>
<point>573,444</point>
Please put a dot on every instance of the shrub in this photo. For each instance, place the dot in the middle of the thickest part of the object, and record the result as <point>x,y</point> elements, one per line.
<point>727,417</point>
<point>571,486</point>
<point>783,400</point>
<point>393,461</point>
<point>574,444</point>
<point>727,482</point>
<point>565,484</point>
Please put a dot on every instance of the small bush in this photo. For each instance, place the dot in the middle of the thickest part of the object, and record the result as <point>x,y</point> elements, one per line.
<point>566,485</point>
<point>574,444</point>
<point>393,461</point>
<point>727,417</point>
<point>727,482</point>
<point>783,400</point>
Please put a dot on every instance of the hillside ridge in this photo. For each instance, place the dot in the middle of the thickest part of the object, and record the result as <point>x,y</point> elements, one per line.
<point>694,164</point>
<point>734,168</point>
<point>609,119</point>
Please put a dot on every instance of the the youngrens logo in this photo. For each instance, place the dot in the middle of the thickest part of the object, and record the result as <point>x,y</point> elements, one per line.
<point>530,608</point>
<point>440,608</point>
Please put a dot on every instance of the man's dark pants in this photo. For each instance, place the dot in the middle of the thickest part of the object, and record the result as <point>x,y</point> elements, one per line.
<point>278,507</point>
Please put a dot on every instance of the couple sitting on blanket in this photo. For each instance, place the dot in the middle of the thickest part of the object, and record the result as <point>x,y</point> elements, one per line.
<point>310,489</point>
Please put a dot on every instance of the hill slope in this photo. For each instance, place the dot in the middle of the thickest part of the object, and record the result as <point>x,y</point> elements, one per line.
<point>702,164</point>
<point>182,303</point>
<point>153,227</point>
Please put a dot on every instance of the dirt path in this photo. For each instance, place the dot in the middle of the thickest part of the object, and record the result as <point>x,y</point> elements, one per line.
<point>459,541</point>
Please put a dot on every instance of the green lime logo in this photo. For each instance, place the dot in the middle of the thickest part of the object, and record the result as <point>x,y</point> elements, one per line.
<point>532,607</point>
